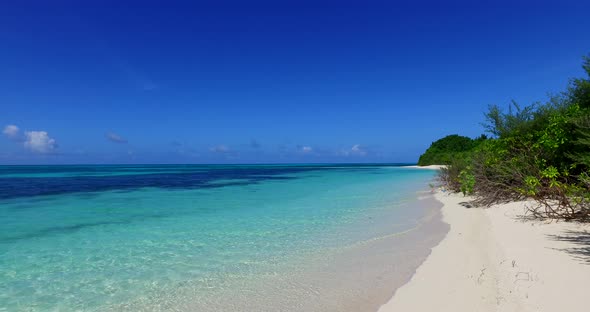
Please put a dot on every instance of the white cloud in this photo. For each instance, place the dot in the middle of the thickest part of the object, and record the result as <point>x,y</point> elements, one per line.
<point>35,141</point>
<point>355,150</point>
<point>306,149</point>
<point>113,137</point>
<point>11,131</point>
<point>39,142</point>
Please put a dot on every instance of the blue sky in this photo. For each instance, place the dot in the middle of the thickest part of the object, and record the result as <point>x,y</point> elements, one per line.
<point>266,82</point>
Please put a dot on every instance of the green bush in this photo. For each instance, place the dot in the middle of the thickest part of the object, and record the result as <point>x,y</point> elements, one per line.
<point>467,181</point>
<point>540,151</point>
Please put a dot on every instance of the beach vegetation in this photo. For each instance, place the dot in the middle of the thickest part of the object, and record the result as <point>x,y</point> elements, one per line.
<point>466,181</point>
<point>446,150</point>
<point>539,151</point>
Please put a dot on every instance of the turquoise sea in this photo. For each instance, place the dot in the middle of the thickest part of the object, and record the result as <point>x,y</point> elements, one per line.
<point>177,237</point>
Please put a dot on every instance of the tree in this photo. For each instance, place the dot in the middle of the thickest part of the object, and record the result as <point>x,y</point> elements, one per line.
<point>443,151</point>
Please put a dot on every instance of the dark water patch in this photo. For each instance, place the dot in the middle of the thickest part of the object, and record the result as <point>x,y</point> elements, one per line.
<point>194,177</point>
<point>95,170</point>
<point>66,229</point>
<point>60,230</point>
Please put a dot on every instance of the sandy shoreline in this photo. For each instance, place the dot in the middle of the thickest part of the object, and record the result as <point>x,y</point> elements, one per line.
<point>493,261</point>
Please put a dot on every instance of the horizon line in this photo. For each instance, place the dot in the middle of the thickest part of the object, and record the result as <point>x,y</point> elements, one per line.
<point>218,164</point>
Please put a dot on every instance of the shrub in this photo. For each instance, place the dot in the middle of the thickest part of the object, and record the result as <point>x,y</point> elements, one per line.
<point>540,151</point>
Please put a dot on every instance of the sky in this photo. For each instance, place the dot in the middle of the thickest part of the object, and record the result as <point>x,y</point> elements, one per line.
<point>99,82</point>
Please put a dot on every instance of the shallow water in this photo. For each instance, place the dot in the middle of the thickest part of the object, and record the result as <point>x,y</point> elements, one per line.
<point>192,237</point>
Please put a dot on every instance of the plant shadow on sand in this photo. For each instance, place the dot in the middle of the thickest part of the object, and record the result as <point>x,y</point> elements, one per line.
<point>580,239</point>
<point>466,204</point>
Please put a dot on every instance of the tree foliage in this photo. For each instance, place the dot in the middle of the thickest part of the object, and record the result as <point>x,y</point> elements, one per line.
<point>444,151</point>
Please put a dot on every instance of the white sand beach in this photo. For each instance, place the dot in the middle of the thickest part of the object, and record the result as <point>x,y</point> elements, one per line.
<point>492,260</point>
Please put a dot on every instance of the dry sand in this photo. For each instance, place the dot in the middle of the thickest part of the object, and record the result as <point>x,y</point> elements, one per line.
<point>492,260</point>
